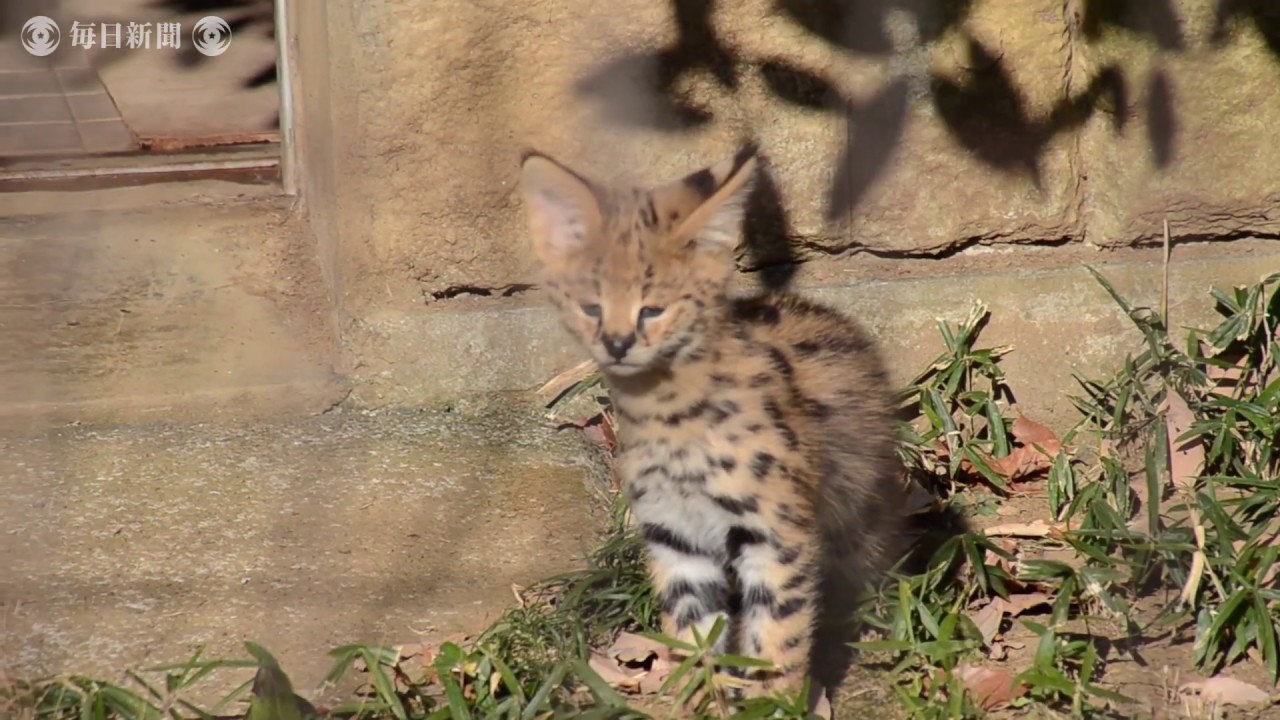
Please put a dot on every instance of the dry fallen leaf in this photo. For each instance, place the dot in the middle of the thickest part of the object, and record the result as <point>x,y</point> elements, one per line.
<point>1033,529</point>
<point>1023,462</point>
<point>991,688</point>
<point>1019,603</point>
<point>1186,460</point>
<point>613,673</point>
<point>632,648</point>
<point>634,663</point>
<point>1230,380</point>
<point>1038,447</point>
<point>558,384</point>
<point>987,619</point>
<point>1030,432</point>
<point>1227,691</point>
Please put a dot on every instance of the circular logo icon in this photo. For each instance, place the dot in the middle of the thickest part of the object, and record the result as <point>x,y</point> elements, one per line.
<point>211,35</point>
<point>40,35</point>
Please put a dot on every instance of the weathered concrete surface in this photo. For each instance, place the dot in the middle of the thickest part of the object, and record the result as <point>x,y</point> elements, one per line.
<point>927,127</point>
<point>1042,300</point>
<point>935,124</point>
<point>1193,149</point>
<point>128,546</point>
<point>161,299</point>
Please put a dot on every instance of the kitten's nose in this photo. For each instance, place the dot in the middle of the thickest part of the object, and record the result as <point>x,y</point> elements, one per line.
<point>618,346</point>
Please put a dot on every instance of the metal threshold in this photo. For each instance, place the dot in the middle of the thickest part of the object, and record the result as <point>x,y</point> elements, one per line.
<point>254,164</point>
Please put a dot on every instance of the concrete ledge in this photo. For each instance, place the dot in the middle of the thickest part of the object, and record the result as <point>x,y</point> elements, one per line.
<point>1043,302</point>
<point>130,546</point>
<point>199,299</point>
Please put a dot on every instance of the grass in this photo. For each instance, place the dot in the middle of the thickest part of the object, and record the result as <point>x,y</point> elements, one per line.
<point>1158,517</point>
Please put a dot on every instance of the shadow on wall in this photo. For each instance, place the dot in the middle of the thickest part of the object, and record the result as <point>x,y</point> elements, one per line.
<point>983,111</point>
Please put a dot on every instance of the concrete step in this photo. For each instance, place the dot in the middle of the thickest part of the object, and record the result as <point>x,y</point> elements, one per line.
<point>131,545</point>
<point>158,301</point>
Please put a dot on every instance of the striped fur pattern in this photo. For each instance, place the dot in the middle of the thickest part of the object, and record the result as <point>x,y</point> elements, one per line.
<point>757,450</point>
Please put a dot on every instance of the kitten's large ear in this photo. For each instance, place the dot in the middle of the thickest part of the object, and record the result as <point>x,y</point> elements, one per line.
<point>708,205</point>
<point>563,210</point>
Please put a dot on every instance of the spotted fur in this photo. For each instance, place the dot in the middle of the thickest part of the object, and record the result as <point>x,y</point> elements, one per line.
<point>757,451</point>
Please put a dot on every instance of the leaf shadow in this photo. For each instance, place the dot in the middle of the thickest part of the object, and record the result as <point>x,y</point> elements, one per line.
<point>640,89</point>
<point>863,27</point>
<point>1264,14</point>
<point>987,115</point>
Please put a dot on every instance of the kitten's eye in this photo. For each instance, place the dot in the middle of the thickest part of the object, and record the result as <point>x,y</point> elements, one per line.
<point>591,311</point>
<point>649,313</point>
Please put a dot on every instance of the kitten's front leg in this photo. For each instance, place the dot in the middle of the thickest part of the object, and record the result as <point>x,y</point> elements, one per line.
<point>692,588</point>
<point>779,582</point>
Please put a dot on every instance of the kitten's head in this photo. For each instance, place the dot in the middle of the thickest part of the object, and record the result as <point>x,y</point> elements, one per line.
<point>639,276</point>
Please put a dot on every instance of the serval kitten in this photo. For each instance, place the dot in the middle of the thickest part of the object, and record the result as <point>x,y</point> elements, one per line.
<point>757,445</point>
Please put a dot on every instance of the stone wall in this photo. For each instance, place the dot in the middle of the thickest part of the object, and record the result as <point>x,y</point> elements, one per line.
<point>893,128</point>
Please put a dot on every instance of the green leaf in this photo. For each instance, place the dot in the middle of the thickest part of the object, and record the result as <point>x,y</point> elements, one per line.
<point>597,685</point>
<point>385,687</point>
<point>458,708</point>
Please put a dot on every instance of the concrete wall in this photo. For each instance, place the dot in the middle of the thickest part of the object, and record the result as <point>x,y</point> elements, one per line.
<point>904,129</point>
<point>922,154</point>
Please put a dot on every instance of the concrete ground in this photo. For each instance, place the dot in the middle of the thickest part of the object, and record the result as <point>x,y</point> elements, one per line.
<point>126,546</point>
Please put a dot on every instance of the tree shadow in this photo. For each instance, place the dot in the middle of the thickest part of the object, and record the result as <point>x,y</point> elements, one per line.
<point>1162,122</point>
<point>1264,14</point>
<point>639,90</point>
<point>873,129</point>
<point>767,231</point>
<point>987,115</point>
<point>984,113</point>
<point>862,27</point>
<point>1154,19</point>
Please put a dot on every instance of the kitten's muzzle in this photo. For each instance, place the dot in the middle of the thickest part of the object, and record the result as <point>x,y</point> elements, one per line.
<point>617,346</point>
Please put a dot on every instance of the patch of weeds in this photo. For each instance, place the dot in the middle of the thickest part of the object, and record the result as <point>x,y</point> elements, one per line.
<point>563,617</point>
<point>1202,422</point>
<point>957,424</point>
<point>152,693</point>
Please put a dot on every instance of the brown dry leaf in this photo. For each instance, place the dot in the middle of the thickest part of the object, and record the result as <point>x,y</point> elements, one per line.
<point>1021,602</point>
<point>608,428</point>
<point>632,648</point>
<point>1227,381</point>
<point>558,384</point>
<point>615,674</point>
<point>1186,460</point>
<point>638,664</point>
<point>987,619</point>
<point>1022,462</point>
<point>1029,432</point>
<point>1033,529</point>
<point>1227,691</point>
<point>658,673</point>
<point>1038,446</point>
<point>992,688</point>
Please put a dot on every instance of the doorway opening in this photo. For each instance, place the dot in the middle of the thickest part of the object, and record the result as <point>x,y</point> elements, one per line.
<point>126,91</point>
